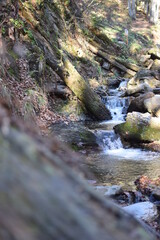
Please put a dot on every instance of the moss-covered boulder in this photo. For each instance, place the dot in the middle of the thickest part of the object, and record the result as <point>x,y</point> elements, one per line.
<point>139,128</point>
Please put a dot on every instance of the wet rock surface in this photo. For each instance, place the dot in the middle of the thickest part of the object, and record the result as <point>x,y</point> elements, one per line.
<point>76,135</point>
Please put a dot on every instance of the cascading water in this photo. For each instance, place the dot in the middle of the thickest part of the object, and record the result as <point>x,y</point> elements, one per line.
<point>117,107</point>
<point>111,142</point>
<point>118,164</point>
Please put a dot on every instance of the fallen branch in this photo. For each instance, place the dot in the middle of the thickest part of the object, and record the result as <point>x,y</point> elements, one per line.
<point>110,59</point>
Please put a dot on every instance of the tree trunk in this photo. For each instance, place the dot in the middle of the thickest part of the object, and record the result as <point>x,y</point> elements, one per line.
<point>132,9</point>
<point>154,11</point>
<point>74,81</point>
<point>84,93</point>
<point>43,198</point>
<point>147,7</point>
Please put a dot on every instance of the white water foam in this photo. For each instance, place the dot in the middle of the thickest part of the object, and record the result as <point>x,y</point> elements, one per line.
<point>111,142</point>
<point>117,107</point>
<point>132,154</point>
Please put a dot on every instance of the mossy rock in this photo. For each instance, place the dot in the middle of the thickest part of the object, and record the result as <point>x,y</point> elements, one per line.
<point>75,135</point>
<point>139,128</point>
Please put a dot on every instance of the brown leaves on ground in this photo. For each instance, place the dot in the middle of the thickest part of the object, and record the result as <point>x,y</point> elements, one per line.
<point>27,99</point>
<point>147,185</point>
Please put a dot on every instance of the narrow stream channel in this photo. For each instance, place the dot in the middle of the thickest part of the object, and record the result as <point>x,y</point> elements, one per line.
<point>117,164</point>
<point>112,163</point>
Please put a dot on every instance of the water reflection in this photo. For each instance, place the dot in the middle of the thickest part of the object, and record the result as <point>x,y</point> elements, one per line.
<point>116,169</point>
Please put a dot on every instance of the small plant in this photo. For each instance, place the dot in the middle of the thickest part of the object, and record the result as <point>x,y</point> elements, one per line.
<point>17,23</point>
<point>29,34</point>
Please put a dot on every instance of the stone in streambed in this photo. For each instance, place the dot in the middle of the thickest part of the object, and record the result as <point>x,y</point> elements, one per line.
<point>106,65</point>
<point>142,128</point>
<point>113,191</point>
<point>153,105</point>
<point>109,191</point>
<point>156,65</point>
<point>137,104</point>
<point>101,189</point>
<point>146,211</point>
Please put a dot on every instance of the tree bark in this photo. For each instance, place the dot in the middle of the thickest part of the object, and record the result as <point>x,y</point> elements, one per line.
<point>74,81</point>
<point>132,9</point>
<point>154,11</point>
<point>84,93</point>
<point>110,59</point>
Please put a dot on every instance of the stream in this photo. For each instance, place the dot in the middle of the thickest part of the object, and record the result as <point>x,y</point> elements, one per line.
<point>112,163</point>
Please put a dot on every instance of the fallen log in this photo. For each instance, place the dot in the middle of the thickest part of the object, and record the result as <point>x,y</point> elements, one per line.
<point>110,59</point>
<point>68,73</point>
<point>84,93</point>
<point>41,197</point>
<point>60,91</point>
<point>129,65</point>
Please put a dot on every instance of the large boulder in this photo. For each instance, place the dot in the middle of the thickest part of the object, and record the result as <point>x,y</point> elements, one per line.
<point>139,88</point>
<point>137,104</point>
<point>146,211</point>
<point>142,128</point>
<point>156,65</point>
<point>75,135</point>
<point>153,105</point>
<point>144,81</point>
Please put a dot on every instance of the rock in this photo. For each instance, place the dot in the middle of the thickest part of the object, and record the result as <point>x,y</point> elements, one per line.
<point>151,81</point>
<point>155,53</point>
<point>123,85</point>
<point>140,88</point>
<point>101,189</point>
<point>106,65</point>
<point>156,65</point>
<point>144,58</point>
<point>153,146</point>
<point>75,135</point>
<point>146,211</point>
<point>143,74</point>
<point>153,105</point>
<point>156,193</point>
<point>137,104</point>
<point>139,128</point>
<point>114,190</point>
<point>115,71</point>
<point>109,191</point>
<point>113,81</point>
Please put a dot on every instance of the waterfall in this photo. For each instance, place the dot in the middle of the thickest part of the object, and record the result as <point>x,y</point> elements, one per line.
<point>117,107</point>
<point>112,141</point>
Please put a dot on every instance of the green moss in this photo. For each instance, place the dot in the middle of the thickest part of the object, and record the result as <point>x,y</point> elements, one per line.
<point>13,54</point>
<point>11,71</point>
<point>137,132</point>
<point>75,147</point>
